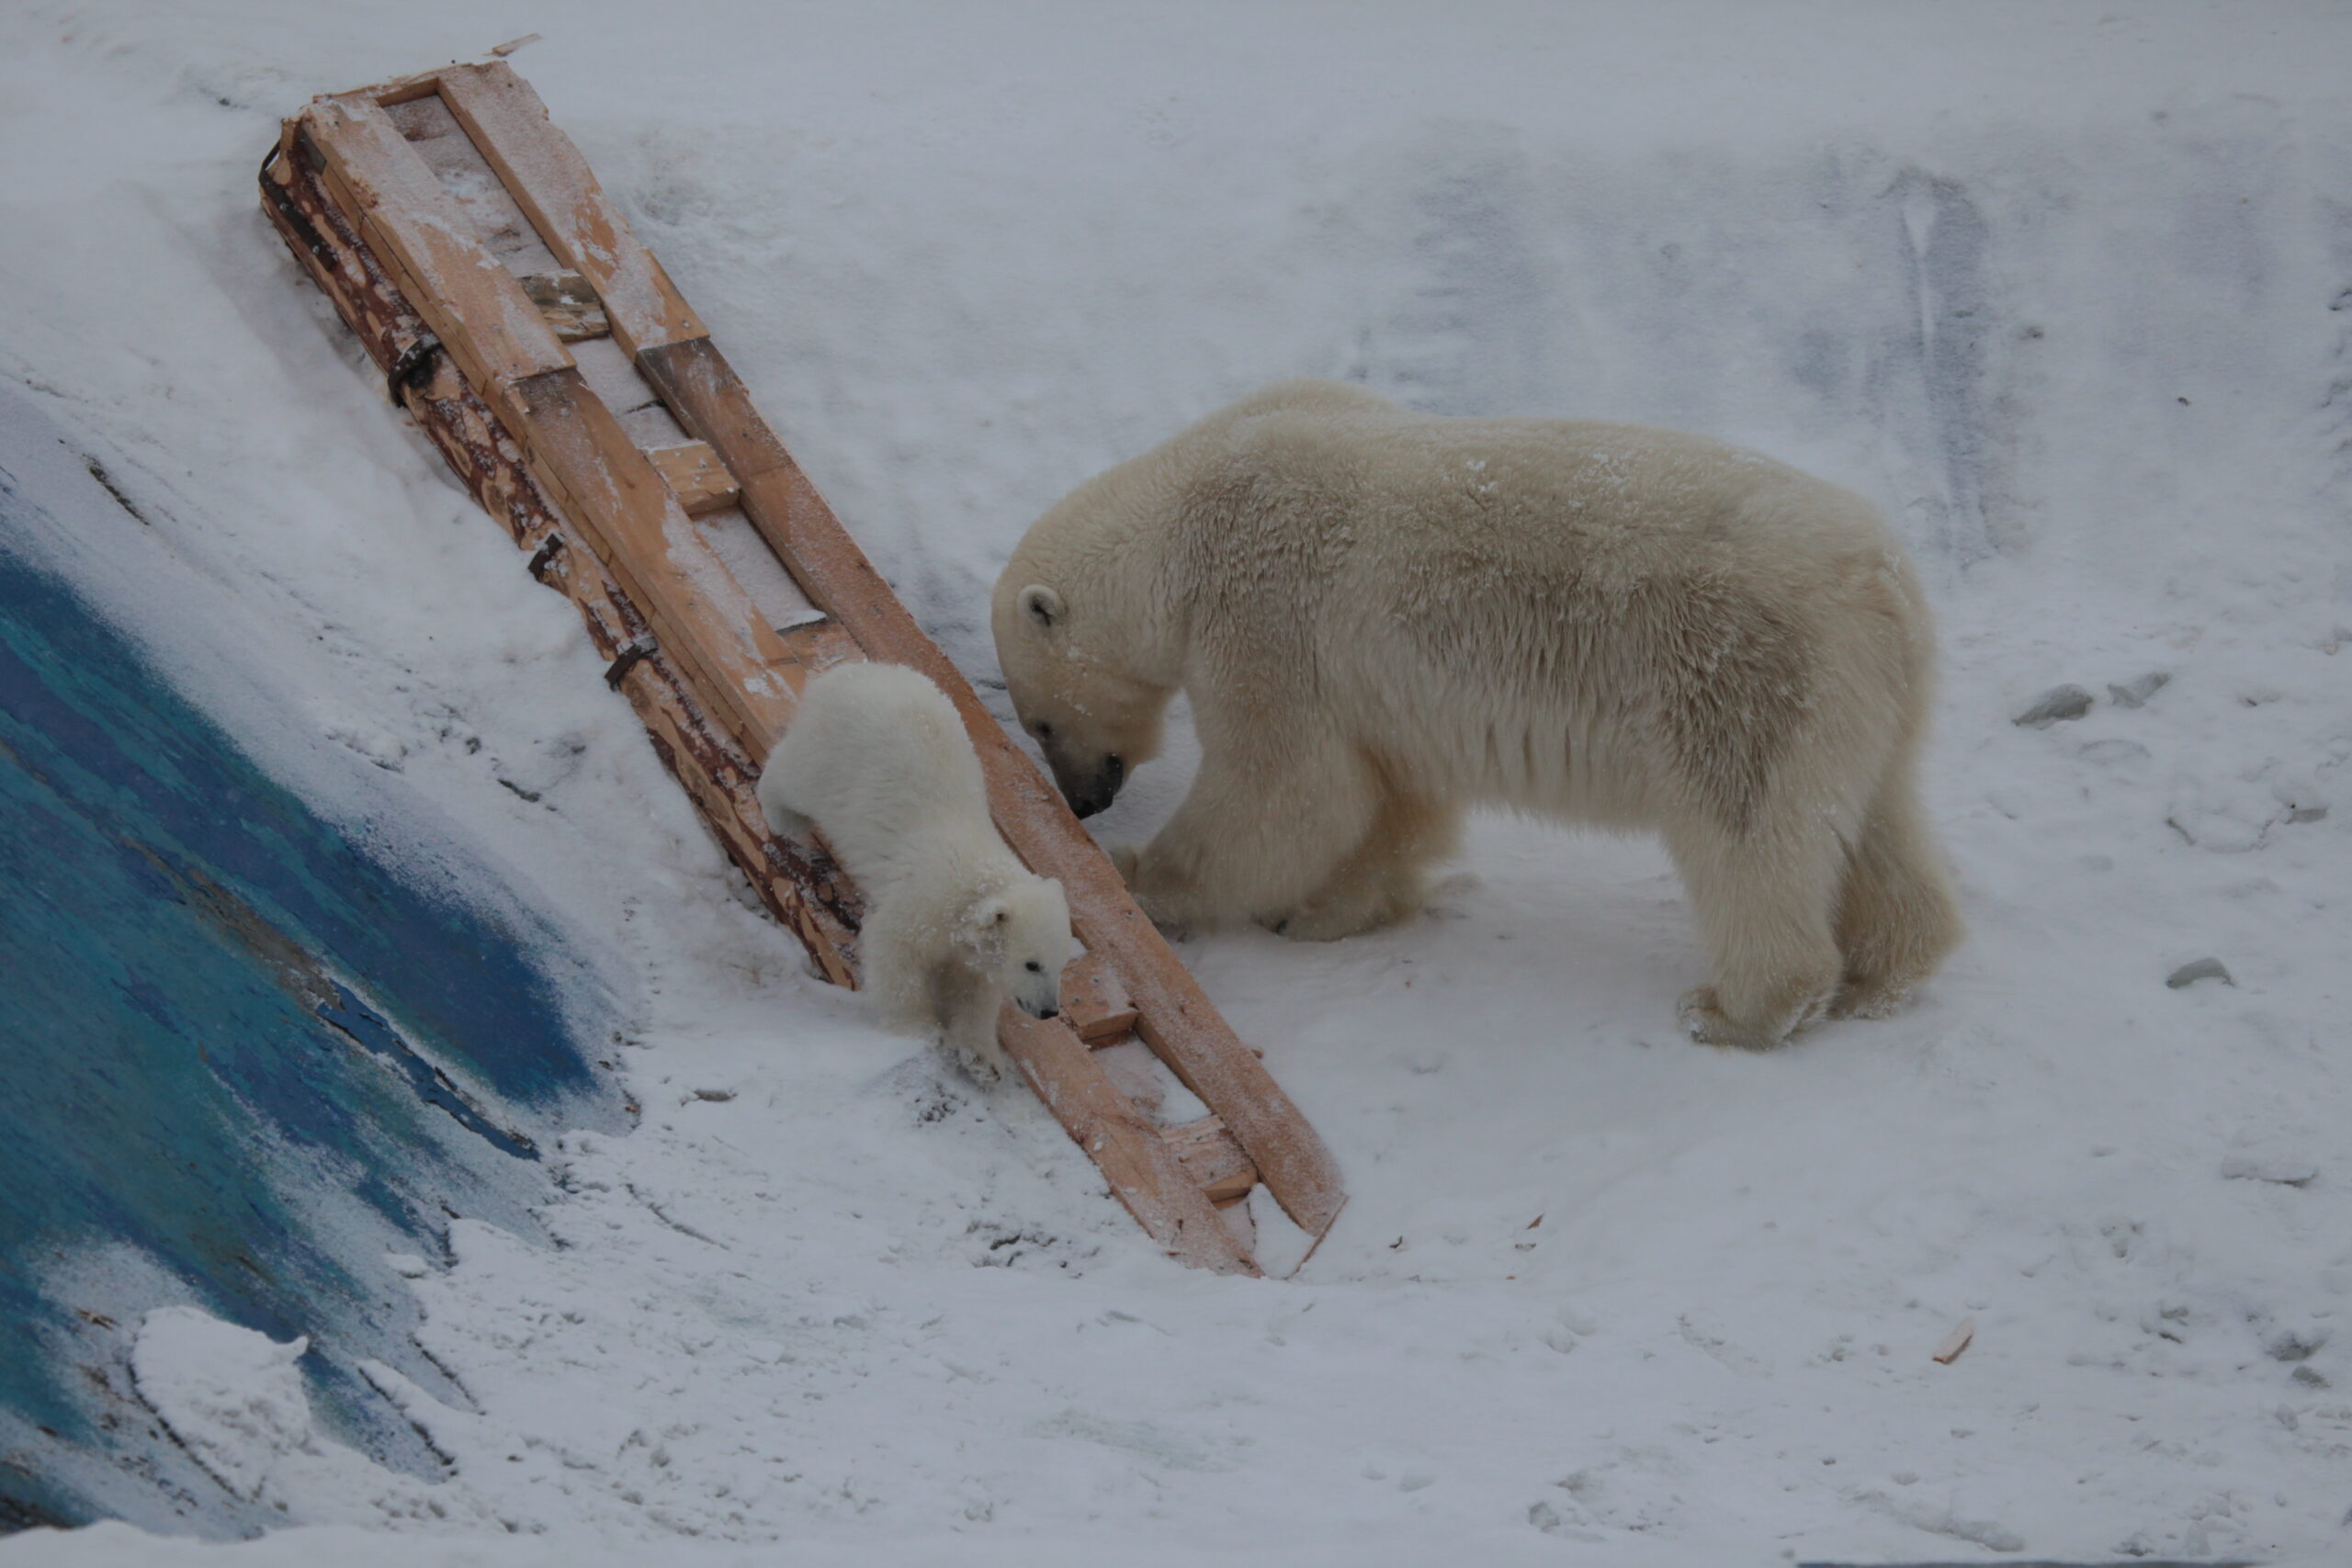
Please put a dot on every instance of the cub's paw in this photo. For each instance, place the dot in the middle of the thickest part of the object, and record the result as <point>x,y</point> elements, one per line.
<point>985,1068</point>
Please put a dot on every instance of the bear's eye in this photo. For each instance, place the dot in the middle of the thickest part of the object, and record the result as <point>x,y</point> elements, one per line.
<point>1042,730</point>
<point>1035,967</point>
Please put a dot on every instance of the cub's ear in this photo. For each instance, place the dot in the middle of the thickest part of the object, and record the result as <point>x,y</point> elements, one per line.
<point>987,917</point>
<point>1043,606</point>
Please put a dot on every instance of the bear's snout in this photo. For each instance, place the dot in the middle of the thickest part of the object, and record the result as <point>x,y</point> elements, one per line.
<point>1090,790</point>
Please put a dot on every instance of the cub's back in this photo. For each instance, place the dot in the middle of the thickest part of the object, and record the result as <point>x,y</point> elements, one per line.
<point>877,751</point>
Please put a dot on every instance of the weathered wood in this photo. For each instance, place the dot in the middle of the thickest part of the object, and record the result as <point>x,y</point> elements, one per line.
<point>1143,1167</point>
<point>1213,1159</point>
<point>1176,1017</point>
<point>695,476</point>
<point>797,882</point>
<point>569,304</point>
<point>1095,1003</point>
<point>579,222</point>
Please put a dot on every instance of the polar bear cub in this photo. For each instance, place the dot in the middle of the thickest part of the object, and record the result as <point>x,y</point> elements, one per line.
<point>878,762</point>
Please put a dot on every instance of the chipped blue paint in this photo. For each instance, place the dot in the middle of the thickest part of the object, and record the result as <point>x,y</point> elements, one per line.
<point>235,1047</point>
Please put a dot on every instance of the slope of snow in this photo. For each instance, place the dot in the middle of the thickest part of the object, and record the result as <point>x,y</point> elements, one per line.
<point>2063,286</point>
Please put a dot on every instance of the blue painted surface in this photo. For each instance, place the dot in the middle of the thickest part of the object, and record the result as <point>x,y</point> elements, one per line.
<point>220,1023</point>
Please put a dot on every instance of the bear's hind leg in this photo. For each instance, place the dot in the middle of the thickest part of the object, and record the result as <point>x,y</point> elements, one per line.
<point>1386,878</point>
<point>1896,918</point>
<point>1762,901</point>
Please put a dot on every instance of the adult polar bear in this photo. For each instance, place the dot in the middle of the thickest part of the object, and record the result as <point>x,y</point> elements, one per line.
<point>1382,618</point>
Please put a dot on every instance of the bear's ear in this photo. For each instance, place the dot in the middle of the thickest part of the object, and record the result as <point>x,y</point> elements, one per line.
<point>1043,606</point>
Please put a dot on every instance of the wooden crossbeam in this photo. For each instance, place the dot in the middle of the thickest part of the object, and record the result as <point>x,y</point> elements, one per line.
<point>606,505</point>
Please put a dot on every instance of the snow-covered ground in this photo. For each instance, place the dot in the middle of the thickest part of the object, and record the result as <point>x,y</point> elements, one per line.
<point>2066,287</point>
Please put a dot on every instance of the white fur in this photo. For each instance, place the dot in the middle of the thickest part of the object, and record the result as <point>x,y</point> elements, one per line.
<point>878,761</point>
<point>1382,616</point>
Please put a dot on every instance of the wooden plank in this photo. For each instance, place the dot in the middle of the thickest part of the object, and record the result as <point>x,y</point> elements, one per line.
<point>474,306</point>
<point>1212,1157</point>
<point>1177,1020</point>
<point>1142,1166</point>
<point>570,211</point>
<point>695,476</point>
<point>1093,1000</point>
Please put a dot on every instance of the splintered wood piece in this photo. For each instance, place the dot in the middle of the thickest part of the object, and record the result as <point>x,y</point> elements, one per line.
<point>573,215</point>
<point>1144,1168</point>
<point>1213,1159</point>
<point>695,476</point>
<point>569,303</point>
<point>1955,1342</point>
<point>1094,1001</point>
<point>1176,1017</point>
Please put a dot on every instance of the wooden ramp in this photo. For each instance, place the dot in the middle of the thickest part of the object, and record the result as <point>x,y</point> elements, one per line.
<point>548,355</point>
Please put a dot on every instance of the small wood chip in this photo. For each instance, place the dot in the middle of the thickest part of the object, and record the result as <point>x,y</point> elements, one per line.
<point>1956,1341</point>
<point>511,45</point>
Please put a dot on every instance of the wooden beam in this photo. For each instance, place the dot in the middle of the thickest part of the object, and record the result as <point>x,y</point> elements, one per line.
<point>695,476</point>
<point>1176,1017</point>
<point>578,221</point>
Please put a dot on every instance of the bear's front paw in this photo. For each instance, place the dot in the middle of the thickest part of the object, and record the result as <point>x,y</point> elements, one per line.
<point>1123,861</point>
<point>1704,1017</point>
<point>1868,1000</point>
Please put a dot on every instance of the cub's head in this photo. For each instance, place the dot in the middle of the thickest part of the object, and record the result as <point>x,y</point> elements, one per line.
<point>1021,934</point>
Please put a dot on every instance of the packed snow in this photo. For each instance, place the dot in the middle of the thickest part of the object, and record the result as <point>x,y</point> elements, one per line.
<point>2067,288</point>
